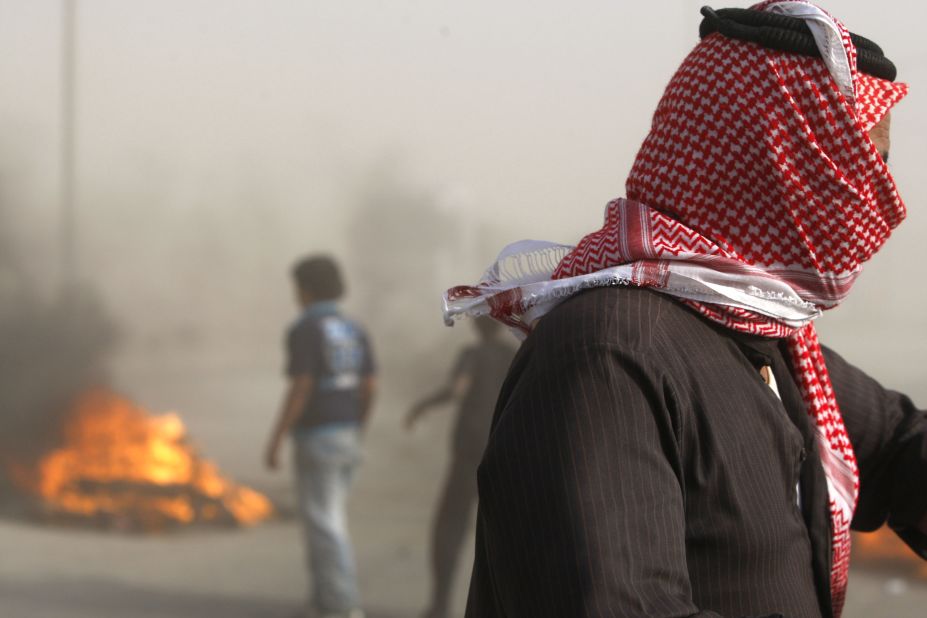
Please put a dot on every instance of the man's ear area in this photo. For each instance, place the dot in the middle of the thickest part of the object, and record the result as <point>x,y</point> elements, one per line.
<point>880,134</point>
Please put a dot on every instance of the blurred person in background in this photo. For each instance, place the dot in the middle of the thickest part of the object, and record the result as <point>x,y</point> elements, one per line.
<point>331,373</point>
<point>672,439</point>
<point>474,384</point>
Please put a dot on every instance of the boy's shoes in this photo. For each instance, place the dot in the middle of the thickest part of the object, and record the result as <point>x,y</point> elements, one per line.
<point>314,613</point>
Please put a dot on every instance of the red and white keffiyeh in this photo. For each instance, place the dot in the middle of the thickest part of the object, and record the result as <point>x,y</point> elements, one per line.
<point>755,199</point>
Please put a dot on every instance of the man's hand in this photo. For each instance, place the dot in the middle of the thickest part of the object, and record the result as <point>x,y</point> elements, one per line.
<point>294,403</point>
<point>414,414</point>
<point>456,389</point>
<point>272,455</point>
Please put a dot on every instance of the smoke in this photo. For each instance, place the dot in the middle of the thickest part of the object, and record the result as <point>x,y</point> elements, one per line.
<point>50,350</point>
<point>408,243</point>
<point>396,237</point>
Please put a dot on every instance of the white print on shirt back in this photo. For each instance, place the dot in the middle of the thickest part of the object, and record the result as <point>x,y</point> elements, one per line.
<point>344,353</point>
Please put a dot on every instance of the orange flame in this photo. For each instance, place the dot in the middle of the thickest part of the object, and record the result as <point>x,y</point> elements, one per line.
<point>118,461</point>
<point>885,548</point>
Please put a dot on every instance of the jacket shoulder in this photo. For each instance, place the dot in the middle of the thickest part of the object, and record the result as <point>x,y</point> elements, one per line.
<point>623,316</point>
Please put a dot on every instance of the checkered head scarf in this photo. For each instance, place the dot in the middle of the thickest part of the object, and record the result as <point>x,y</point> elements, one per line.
<point>755,199</point>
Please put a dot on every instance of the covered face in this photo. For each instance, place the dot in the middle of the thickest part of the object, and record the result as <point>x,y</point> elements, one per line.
<point>769,155</point>
<point>758,194</point>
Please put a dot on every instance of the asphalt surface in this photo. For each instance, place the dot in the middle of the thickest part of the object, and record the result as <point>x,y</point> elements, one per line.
<point>52,572</point>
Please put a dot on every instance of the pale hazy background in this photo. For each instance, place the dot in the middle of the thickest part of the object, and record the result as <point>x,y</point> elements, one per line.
<point>218,140</point>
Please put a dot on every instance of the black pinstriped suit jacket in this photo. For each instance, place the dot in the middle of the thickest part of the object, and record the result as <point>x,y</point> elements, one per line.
<point>640,466</point>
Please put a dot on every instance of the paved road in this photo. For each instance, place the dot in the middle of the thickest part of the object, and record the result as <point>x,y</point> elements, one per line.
<point>54,572</point>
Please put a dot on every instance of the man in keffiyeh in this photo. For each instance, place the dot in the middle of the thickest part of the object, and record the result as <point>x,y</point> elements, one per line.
<point>672,440</point>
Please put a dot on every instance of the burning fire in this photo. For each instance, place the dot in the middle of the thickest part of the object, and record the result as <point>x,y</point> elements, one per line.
<point>883,547</point>
<point>119,463</point>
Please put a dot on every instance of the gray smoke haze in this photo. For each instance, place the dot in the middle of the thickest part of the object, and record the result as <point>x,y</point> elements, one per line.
<point>217,142</point>
<point>50,350</point>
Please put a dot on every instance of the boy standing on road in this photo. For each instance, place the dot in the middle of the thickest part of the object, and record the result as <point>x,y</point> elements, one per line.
<point>331,384</point>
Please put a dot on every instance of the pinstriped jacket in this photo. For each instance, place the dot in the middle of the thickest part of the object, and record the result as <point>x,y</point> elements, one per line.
<point>639,465</point>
